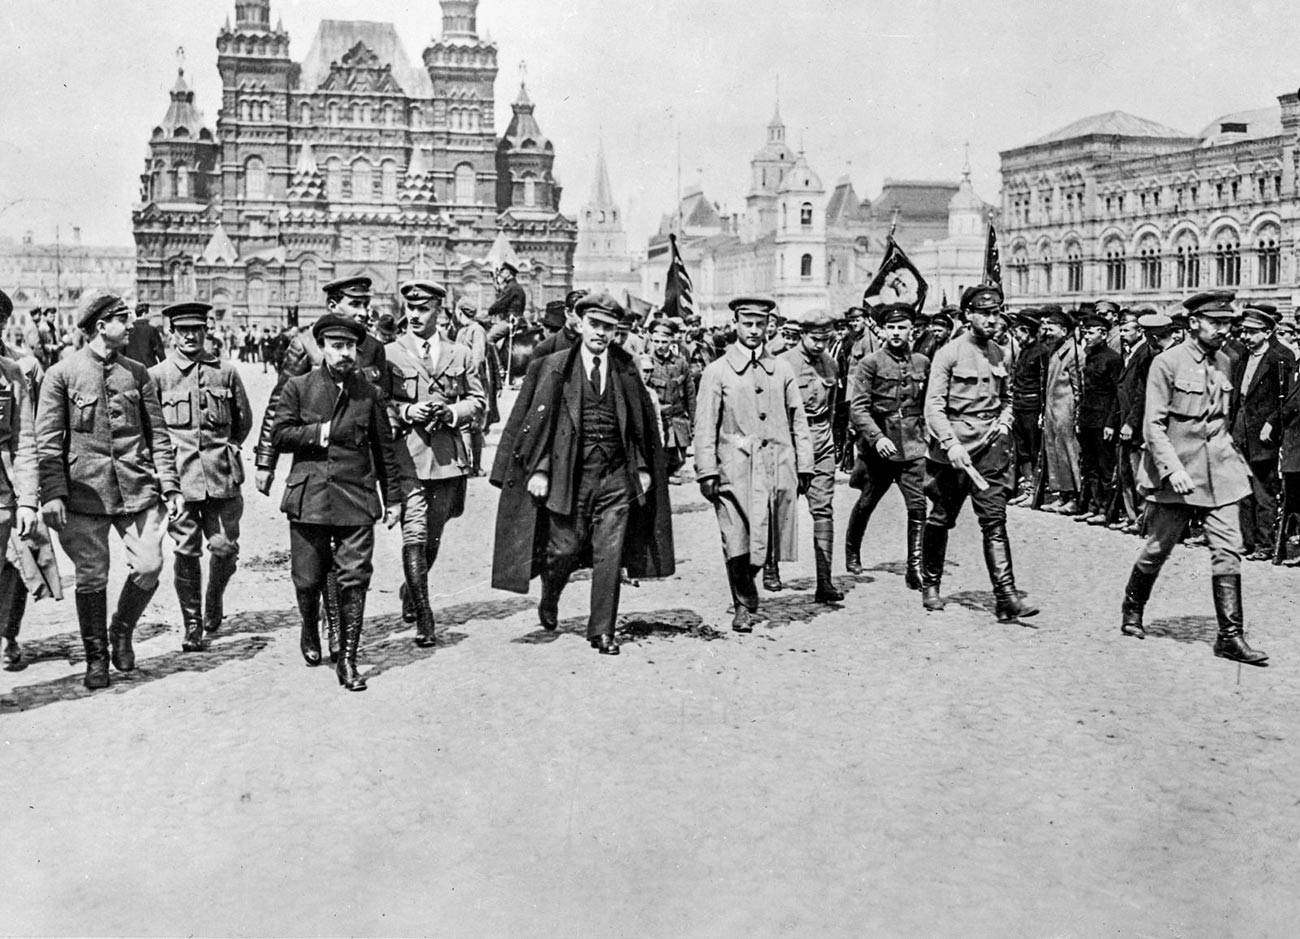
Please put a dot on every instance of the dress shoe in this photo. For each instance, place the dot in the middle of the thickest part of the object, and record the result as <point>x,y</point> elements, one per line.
<point>548,608</point>
<point>853,563</point>
<point>772,580</point>
<point>605,645</point>
<point>1097,519</point>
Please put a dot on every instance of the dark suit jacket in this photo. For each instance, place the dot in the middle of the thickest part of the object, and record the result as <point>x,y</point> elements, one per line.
<point>543,433</point>
<point>1260,403</point>
<point>336,484</point>
<point>1132,392</point>
<point>146,344</point>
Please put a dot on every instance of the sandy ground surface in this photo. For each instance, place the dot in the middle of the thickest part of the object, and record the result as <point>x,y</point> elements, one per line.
<point>861,770</point>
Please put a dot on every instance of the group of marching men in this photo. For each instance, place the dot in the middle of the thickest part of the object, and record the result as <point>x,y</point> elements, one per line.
<point>377,431</point>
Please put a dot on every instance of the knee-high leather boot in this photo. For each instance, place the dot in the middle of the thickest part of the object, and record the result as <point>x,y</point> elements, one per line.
<point>188,571</point>
<point>221,567</point>
<point>92,618</point>
<point>309,638</point>
<point>13,654</point>
<point>1136,595</point>
<point>352,609</point>
<point>333,616</point>
<point>915,531</point>
<point>934,550</point>
<point>476,452</point>
<point>417,590</point>
<point>130,604</point>
<point>823,550</point>
<point>997,556</point>
<point>740,577</point>
<point>857,527</point>
<point>1231,643</point>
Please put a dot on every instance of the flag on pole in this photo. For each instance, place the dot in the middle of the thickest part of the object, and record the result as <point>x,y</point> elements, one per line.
<point>897,280</point>
<point>992,260</point>
<point>678,299</point>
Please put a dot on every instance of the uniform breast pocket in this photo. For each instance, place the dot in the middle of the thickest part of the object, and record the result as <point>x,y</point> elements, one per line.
<point>217,405</point>
<point>967,379</point>
<point>449,383</point>
<point>129,403</point>
<point>177,409</point>
<point>401,385</point>
<point>82,413</point>
<point>1188,397</point>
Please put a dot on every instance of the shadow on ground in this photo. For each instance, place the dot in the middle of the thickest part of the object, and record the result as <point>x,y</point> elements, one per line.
<point>632,627</point>
<point>1188,629</point>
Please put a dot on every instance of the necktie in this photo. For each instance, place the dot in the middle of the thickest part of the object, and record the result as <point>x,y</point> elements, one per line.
<point>426,350</point>
<point>595,372</point>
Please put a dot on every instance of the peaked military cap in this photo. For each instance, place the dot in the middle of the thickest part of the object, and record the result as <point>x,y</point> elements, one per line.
<point>1156,322</point>
<point>813,321</point>
<point>1255,318</point>
<point>601,307</point>
<point>854,312</point>
<point>573,296</point>
<point>760,306</point>
<point>1106,307</point>
<point>96,306</point>
<point>357,287</point>
<point>894,313</point>
<point>190,313</point>
<point>1094,320</point>
<point>1216,304</point>
<point>508,266</point>
<point>943,318</point>
<point>337,326</point>
<point>663,324</point>
<point>420,292</point>
<point>1052,313</point>
<point>982,298</point>
<point>1267,309</point>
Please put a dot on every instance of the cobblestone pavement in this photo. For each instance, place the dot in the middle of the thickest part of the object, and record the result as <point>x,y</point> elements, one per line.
<point>861,770</point>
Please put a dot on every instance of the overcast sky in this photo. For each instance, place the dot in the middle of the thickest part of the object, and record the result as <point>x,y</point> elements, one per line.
<point>868,88</point>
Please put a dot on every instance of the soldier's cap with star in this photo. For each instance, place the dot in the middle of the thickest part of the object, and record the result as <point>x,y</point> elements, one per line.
<point>1214,304</point>
<point>600,307</point>
<point>982,298</point>
<point>573,296</point>
<point>189,313</point>
<point>1154,322</point>
<point>6,306</point>
<point>554,314</point>
<point>1267,309</point>
<point>813,321</point>
<point>1254,318</point>
<point>96,306</point>
<point>663,324</point>
<point>337,326</point>
<point>752,306</point>
<point>358,287</point>
<point>894,313</point>
<point>419,293</point>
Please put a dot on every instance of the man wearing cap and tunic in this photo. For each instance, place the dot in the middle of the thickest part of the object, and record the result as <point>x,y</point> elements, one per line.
<point>887,414</point>
<point>582,475</point>
<point>672,382</point>
<point>106,461</point>
<point>1191,467</point>
<point>968,415</point>
<point>208,417</point>
<point>435,391</point>
<point>336,425</point>
<point>753,454</point>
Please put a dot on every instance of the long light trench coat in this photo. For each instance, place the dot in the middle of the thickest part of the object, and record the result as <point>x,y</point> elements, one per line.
<point>751,433</point>
<point>1060,405</point>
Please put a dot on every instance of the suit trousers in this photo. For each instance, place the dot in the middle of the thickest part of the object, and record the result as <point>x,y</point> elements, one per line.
<point>314,549</point>
<point>1259,509</point>
<point>1028,438</point>
<point>598,523</point>
<point>1166,523</point>
<point>948,487</point>
<point>85,541</point>
<point>1096,467</point>
<point>426,511</point>
<point>216,520</point>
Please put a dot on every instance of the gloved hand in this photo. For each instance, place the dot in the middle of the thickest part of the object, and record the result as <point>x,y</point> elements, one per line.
<point>709,488</point>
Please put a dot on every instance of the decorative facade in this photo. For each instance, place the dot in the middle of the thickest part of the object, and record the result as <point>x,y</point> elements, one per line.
<point>352,161</point>
<point>55,274</point>
<point>1121,207</point>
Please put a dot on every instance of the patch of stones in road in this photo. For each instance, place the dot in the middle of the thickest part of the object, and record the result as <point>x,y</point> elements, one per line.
<point>1189,629</point>
<point>273,561</point>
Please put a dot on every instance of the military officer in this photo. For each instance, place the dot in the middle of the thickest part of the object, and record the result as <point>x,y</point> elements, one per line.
<point>471,334</point>
<point>672,382</point>
<point>968,416</point>
<point>435,391</point>
<point>335,424</point>
<point>753,453</point>
<point>208,417</point>
<point>887,414</point>
<point>106,461</point>
<point>1191,466</point>
<point>816,376</point>
<point>511,300</point>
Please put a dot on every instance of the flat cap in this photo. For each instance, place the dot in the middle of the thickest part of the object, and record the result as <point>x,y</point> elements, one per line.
<point>760,306</point>
<point>336,326</point>
<point>96,306</point>
<point>190,313</point>
<point>664,324</point>
<point>854,312</point>
<point>1252,318</point>
<point>1155,321</point>
<point>895,313</point>
<point>981,298</point>
<point>1030,318</point>
<point>553,316</point>
<point>600,307</point>
<point>1106,307</point>
<point>1267,309</point>
<point>417,292</point>
<point>6,306</point>
<point>1094,320</point>
<point>813,321</point>
<point>573,296</point>
<point>1216,304</point>
<point>1055,315</point>
<point>357,287</point>
<point>943,318</point>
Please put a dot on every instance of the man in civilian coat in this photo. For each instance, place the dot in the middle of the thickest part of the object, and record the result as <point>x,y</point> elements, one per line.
<point>582,475</point>
<point>1261,380</point>
<point>334,422</point>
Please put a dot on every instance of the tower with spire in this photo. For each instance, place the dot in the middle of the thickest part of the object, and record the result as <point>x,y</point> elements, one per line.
<point>601,258</point>
<point>799,281</point>
<point>767,170</point>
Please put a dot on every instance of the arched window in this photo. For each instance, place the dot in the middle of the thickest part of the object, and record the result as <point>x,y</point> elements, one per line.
<point>257,296</point>
<point>1073,268</point>
<point>1149,264</point>
<point>333,112</point>
<point>805,215</point>
<point>182,181</point>
<point>255,178</point>
<point>389,176</point>
<point>244,110</point>
<point>334,179</point>
<point>1268,257</point>
<point>1020,270</point>
<point>805,267</point>
<point>466,181</point>
<point>1187,261</point>
<point>304,112</point>
<point>530,189</point>
<point>363,181</point>
<point>1227,259</point>
<point>1045,260</point>
<point>309,278</point>
<point>1116,271</point>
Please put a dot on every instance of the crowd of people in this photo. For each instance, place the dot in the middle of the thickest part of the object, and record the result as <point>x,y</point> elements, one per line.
<point>1173,426</point>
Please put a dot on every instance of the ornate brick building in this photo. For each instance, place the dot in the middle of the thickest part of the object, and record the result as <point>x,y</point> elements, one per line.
<point>1121,207</point>
<point>351,161</point>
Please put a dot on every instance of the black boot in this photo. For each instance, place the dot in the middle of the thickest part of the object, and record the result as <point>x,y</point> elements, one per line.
<point>408,608</point>
<point>352,610</point>
<point>823,550</point>
<point>17,590</point>
<point>740,577</point>
<point>309,639</point>
<point>857,527</point>
<point>772,574</point>
<point>221,568</point>
<point>997,556</point>
<point>130,604</point>
<point>476,453</point>
<point>188,571</point>
<point>92,617</point>
<point>934,549</point>
<point>417,591</point>
<point>1136,595</point>
<point>915,529</point>
<point>333,616</point>
<point>548,609</point>
<point>1231,643</point>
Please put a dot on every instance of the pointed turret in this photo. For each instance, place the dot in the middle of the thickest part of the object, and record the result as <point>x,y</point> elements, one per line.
<point>308,183</point>
<point>524,161</point>
<point>601,196</point>
<point>417,184</point>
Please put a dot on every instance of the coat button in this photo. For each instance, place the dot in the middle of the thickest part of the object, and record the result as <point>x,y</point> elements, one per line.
<point>762,415</point>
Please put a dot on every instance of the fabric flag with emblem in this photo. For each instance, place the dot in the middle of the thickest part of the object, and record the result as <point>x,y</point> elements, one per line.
<point>992,260</point>
<point>678,299</point>
<point>897,280</point>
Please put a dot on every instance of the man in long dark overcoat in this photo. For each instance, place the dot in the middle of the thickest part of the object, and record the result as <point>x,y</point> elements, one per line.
<point>583,479</point>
